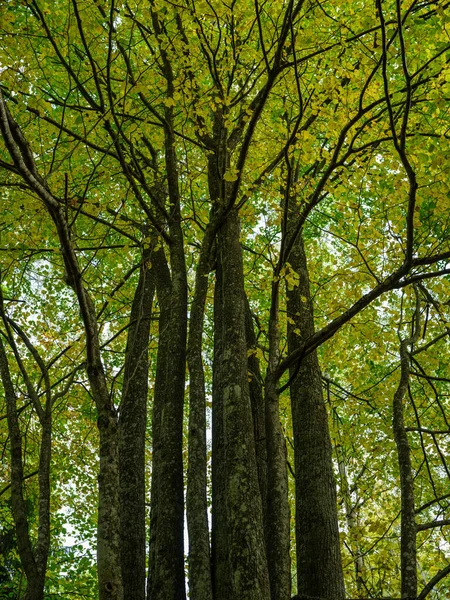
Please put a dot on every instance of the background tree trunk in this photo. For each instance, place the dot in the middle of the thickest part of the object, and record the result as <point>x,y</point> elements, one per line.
<point>278,514</point>
<point>319,568</point>
<point>132,431</point>
<point>166,566</point>
<point>408,549</point>
<point>219,542</point>
<point>258,410</point>
<point>200,583</point>
<point>34,573</point>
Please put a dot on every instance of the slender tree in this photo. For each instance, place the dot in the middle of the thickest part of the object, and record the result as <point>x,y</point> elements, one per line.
<point>287,154</point>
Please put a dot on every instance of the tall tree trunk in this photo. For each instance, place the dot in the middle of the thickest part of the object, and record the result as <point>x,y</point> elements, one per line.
<point>220,566</point>
<point>166,562</point>
<point>258,411</point>
<point>34,572</point>
<point>45,454</point>
<point>166,568</point>
<point>34,560</point>
<point>319,568</point>
<point>132,430</point>
<point>200,582</point>
<point>108,527</point>
<point>408,523</point>
<point>278,514</point>
<point>245,537</point>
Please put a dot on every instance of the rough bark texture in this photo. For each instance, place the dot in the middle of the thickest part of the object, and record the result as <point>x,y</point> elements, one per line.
<point>278,514</point>
<point>408,522</point>
<point>132,429</point>
<point>220,567</point>
<point>43,539</point>
<point>245,536</point>
<point>258,411</point>
<point>34,575</point>
<point>108,536</point>
<point>319,568</point>
<point>166,562</point>
<point>200,582</point>
<point>36,558</point>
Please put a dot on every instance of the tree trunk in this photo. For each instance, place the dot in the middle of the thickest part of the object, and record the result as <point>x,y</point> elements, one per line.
<point>132,430</point>
<point>220,567</point>
<point>166,564</point>
<point>319,568</point>
<point>108,527</point>
<point>166,561</point>
<point>200,583</point>
<point>408,522</point>
<point>258,411</point>
<point>35,576</point>
<point>278,514</point>
<point>45,454</point>
<point>237,471</point>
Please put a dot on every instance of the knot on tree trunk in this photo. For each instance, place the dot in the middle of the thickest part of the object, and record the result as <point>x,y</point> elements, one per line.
<point>102,422</point>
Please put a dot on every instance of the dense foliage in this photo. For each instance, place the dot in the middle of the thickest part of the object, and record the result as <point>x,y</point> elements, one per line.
<point>225,260</point>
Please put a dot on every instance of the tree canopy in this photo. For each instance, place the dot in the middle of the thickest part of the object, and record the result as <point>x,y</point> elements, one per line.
<point>224,299</point>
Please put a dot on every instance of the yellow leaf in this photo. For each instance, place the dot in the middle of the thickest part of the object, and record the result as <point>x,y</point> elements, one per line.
<point>230,175</point>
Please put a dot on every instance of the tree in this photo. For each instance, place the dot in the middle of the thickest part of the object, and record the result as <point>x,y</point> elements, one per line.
<point>290,155</point>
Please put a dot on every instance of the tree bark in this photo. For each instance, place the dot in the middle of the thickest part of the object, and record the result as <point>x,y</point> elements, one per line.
<point>319,568</point>
<point>166,561</point>
<point>108,528</point>
<point>166,566</point>
<point>220,567</point>
<point>278,513</point>
<point>408,558</point>
<point>258,411</point>
<point>34,560</point>
<point>34,573</point>
<point>132,430</point>
<point>245,537</point>
<point>200,582</point>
